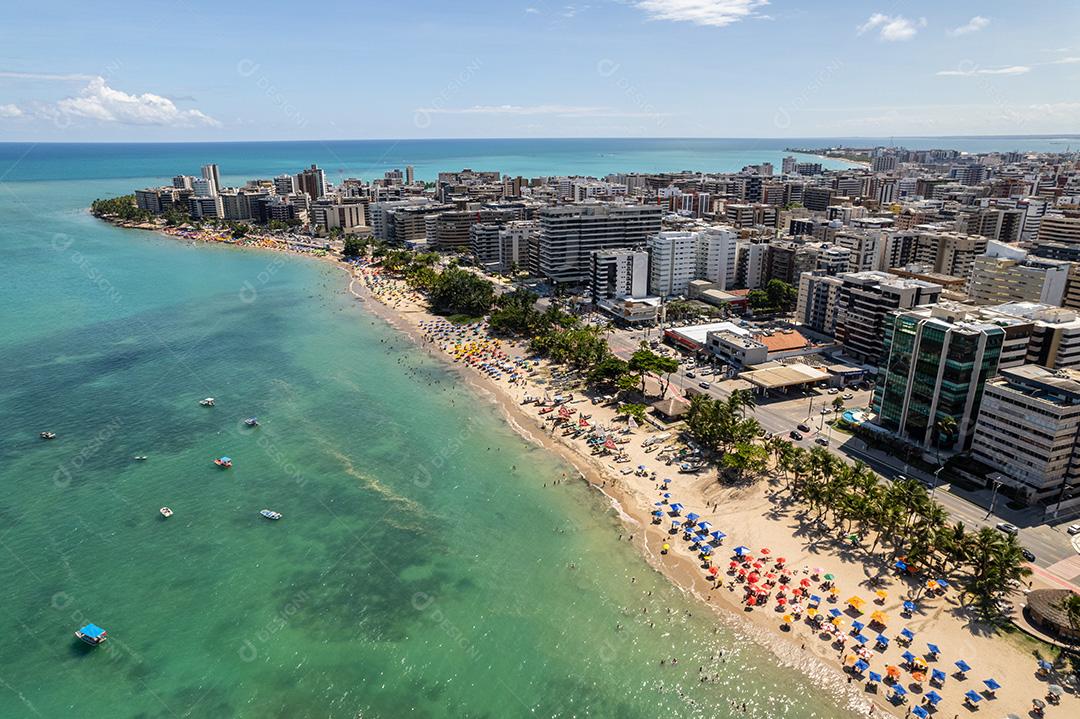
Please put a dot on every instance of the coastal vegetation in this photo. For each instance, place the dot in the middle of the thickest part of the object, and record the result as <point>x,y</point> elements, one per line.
<point>121,208</point>
<point>778,296</point>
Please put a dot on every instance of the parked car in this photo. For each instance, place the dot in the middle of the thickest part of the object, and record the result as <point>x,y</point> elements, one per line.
<point>824,441</point>
<point>691,375</point>
<point>795,435</point>
<point>825,410</point>
<point>834,391</point>
<point>1028,554</point>
<point>849,395</point>
<point>803,428</point>
<point>1008,528</point>
<point>1073,529</point>
<point>704,385</point>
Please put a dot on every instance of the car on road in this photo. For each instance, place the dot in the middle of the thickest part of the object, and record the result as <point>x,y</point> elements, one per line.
<point>704,385</point>
<point>834,391</point>
<point>849,395</point>
<point>824,441</point>
<point>1028,554</point>
<point>825,410</point>
<point>1073,529</point>
<point>1007,528</point>
<point>691,375</point>
<point>803,428</point>
<point>795,435</point>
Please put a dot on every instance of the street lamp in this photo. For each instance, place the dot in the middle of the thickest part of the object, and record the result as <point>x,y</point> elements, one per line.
<point>937,472</point>
<point>993,498</point>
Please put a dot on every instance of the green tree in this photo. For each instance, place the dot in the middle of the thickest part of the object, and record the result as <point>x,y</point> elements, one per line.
<point>630,409</point>
<point>515,313</point>
<point>354,247</point>
<point>759,300</point>
<point>1071,606</point>
<point>457,291</point>
<point>781,295</point>
<point>744,460</point>
<point>607,373</point>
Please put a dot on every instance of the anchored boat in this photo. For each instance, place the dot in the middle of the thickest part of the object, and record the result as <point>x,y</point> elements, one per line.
<point>270,514</point>
<point>92,634</point>
<point>223,462</point>
<point>208,402</point>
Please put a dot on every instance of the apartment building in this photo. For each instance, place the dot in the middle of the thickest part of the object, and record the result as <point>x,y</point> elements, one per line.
<point>865,299</point>
<point>569,234</point>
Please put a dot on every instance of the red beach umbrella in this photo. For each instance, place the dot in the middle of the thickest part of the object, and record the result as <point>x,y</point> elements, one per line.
<point>733,565</point>
<point>753,578</point>
<point>751,602</point>
<point>713,571</point>
<point>765,552</point>
<point>758,565</point>
<point>781,601</point>
<point>804,583</point>
<point>797,592</point>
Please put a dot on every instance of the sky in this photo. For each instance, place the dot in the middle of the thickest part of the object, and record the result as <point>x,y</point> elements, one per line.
<point>187,70</point>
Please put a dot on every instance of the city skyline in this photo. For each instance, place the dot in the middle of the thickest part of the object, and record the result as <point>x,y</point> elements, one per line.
<point>683,68</point>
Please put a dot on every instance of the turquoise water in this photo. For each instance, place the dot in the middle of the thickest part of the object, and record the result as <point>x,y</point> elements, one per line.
<point>425,567</point>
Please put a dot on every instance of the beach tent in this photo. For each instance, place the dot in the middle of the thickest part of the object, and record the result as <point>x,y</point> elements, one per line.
<point>973,696</point>
<point>933,648</point>
<point>920,712</point>
<point>963,666</point>
<point>938,676</point>
<point>933,697</point>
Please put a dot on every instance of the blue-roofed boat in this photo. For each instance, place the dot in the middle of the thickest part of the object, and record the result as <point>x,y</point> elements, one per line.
<point>92,634</point>
<point>223,462</point>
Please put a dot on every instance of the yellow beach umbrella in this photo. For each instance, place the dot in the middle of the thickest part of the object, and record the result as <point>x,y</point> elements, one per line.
<point>856,601</point>
<point>851,659</point>
<point>834,590</point>
<point>837,622</point>
<point>788,619</point>
<point>881,593</point>
<point>811,612</point>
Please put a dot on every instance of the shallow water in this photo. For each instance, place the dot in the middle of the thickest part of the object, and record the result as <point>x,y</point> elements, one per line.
<point>422,567</point>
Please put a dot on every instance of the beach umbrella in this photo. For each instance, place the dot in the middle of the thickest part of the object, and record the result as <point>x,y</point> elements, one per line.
<point>713,571</point>
<point>811,612</point>
<point>666,547</point>
<point>816,572</point>
<point>899,690</point>
<point>781,601</point>
<point>919,677</point>
<point>782,588</point>
<point>878,617</point>
<point>781,560</point>
<point>933,697</point>
<point>813,597</point>
<point>805,583</point>
<point>962,666</point>
<point>753,578</point>
<point>834,612</point>
<point>901,565</point>
<point>741,550</point>
<point>991,684</point>
<point>718,536</point>
<point>943,584</point>
<point>973,696</point>
<point>691,518</point>
<point>742,572</point>
<point>931,584</point>
<point>881,593</point>
<point>907,634</point>
<point>919,712</point>
<point>874,677</point>
<point>858,626</point>
<point>658,513</point>
<point>758,565</point>
<point>1055,690</point>
<point>838,622</point>
<point>834,590</point>
<point>1045,665</point>
<point>908,657</point>
<point>797,592</point>
<point>732,564</point>
<point>788,619</point>
<point>938,676</point>
<point>674,525</point>
<point>766,551</point>
<point>882,640</point>
<point>861,666</point>
<point>892,671</point>
<point>829,577</point>
<point>909,606</point>
<point>666,495</point>
<point>861,639</point>
<point>933,648</point>
<point>676,508</point>
<point>850,659</point>
<point>856,601</point>
<point>751,601</point>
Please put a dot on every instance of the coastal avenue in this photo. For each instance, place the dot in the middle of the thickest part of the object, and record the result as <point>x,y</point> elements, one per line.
<point>1049,544</point>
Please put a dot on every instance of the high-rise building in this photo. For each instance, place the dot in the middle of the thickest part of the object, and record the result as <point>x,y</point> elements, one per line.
<point>1028,430</point>
<point>819,296</point>
<point>312,181</point>
<point>672,262</point>
<point>996,280</point>
<point>409,175</point>
<point>865,299</point>
<point>750,262</point>
<point>1062,228</point>
<point>1055,335</point>
<point>715,256</point>
<point>569,234</point>
<point>285,185</point>
<point>934,367</point>
<point>619,274</point>
<point>211,175</point>
<point>787,166</point>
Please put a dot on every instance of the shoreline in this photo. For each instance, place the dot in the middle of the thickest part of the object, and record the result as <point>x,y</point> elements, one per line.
<point>631,498</point>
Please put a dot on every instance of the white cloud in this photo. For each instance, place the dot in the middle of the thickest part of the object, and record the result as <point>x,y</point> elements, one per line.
<point>892,27</point>
<point>10,111</point>
<point>561,110</point>
<point>714,13</point>
<point>1064,61</point>
<point>973,25</point>
<point>44,76</point>
<point>532,11</point>
<point>98,101</point>
<point>968,72</point>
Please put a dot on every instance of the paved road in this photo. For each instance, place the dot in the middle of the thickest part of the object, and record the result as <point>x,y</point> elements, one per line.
<point>1049,544</point>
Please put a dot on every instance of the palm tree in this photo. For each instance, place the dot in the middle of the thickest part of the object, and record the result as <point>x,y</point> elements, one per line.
<point>946,428</point>
<point>1071,606</point>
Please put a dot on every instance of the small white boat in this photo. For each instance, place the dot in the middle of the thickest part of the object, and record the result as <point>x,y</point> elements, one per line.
<point>208,402</point>
<point>139,458</point>
<point>252,422</point>
<point>48,435</point>
<point>270,514</point>
<point>166,512</point>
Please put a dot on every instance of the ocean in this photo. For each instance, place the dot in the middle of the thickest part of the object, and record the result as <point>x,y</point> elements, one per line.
<point>427,565</point>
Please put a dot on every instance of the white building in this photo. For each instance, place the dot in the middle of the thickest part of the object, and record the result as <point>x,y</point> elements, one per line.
<point>716,256</point>
<point>619,274</point>
<point>672,262</point>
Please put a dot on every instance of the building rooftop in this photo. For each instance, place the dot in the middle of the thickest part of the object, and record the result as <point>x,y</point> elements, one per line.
<point>783,340</point>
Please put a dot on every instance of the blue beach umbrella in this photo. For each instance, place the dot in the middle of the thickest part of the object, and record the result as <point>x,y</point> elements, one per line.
<point>991,684</point>
<point>1045,665</point>
<point>815,599</point>
<point>676,508</point>
<point>666,495</point>
<point>704,526</point>
<point>963,666</point>
<point>901,565</point>
<point>909,606</point>
<point>933,648</point>
<point>943,584</point>
<point>933,697</point>
<point>938,676</point>
<point>862,638</point>
<point>882,640</point>
<point>718,536</point>
<point>834,612</point>
<point>899,690</point>
<point>658,513</point>
<point>908,657</point>
<point>861,666</point>
<point>857,626</point>
<point>973,696</point>
<point>675,525</point>
<point>874,677</point>
<point>693,517</point>
<point>920,712</point>
<point>741,550</point>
